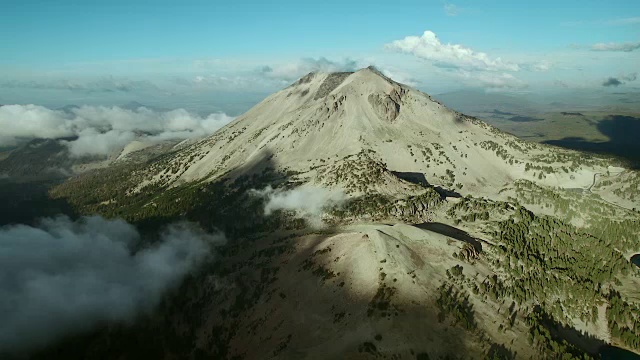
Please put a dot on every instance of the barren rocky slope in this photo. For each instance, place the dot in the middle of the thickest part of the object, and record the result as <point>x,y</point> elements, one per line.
<point>451,239</point>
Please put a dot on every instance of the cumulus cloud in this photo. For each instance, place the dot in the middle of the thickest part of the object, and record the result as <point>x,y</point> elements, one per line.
<point>617,81</point>
<point>624,47</point>
<point>429,47</point>
<point>308,202</point>
<point>64,277</point>
<point>294,70</point>
<point>101,129</point>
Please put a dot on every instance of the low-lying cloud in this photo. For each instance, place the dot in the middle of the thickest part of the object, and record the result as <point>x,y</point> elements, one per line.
<point>64,277</point>
<point>101,130</point>
<point>309,202</point>
<point>490,80</point>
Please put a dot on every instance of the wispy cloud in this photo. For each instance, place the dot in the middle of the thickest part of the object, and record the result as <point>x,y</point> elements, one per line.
<point>294,70</point>
<point>604,22</point>
<point>218,73</point>
<point>560,84</point>
<point>309,202</point>
<point>428,47</point>
<point>620,80</point>
<point>451,9</point>
<point>490,80</point>
<point>624,47</point>
<point>624,21</point>
<point>105,84</point>
<point>399,75</point>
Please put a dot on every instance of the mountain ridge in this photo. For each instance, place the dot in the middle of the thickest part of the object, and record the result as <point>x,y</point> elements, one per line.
<point>449,238</point>
<point>362,111</point>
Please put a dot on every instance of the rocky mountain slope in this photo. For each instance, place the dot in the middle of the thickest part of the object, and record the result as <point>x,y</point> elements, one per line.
<point>324,119</point>
<point>447,239</point>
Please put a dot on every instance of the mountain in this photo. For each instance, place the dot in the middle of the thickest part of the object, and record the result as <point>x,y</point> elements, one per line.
<point>325,118</point>
<point>367,220</point>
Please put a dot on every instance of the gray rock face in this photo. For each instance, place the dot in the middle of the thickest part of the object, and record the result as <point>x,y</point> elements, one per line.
<point>413,209</point>
<point>469,253</point>
<point>329,84</point>
<point>387,106</point>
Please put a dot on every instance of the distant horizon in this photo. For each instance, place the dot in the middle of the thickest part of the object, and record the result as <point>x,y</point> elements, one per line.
<point>205,55</point>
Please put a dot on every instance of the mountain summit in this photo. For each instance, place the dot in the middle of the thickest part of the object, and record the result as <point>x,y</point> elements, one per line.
<point>324,118</point>
<point>368,221</point>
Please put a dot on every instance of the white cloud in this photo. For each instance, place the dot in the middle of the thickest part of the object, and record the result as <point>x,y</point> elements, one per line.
<point>308,202</point>
<point>623,47</point>
<point>429,47</point>
<point>64,277</point>
<point>92,142</point>
<point>399,76</point>
<point>294,70</point>
<point>541,66</point>
<point>100,129</point>
<point>251,76</point>
<point>451,9</point>
<point>492,80</point>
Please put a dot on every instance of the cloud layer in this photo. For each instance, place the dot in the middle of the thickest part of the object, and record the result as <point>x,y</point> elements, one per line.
<point>493,80</point>
<point>105,84</point>
<point>429,47</point>
<point>620,80</point>
<point>308,202</point>
<point>101,130</point>
<point>624,47</point>
<point>64,277</point>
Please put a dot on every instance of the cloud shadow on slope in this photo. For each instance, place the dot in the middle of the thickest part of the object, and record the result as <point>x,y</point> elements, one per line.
<point>24,202</point>
<point>207,317</point>
<point>451,232</point>
<point>258,282</point>
<point>420,179</point>
<point>623,143</point>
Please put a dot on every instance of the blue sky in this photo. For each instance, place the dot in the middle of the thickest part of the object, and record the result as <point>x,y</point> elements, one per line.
<point>57,51</point>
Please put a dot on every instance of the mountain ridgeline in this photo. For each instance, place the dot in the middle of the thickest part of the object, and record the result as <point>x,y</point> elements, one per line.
<point>444,237</point>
